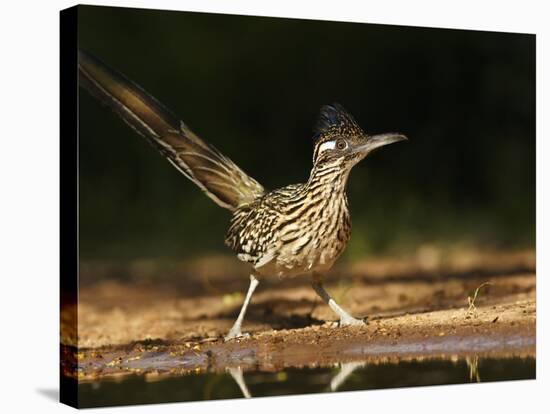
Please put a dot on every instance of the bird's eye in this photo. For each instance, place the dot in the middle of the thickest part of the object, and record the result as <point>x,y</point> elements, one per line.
<point>341,144</point>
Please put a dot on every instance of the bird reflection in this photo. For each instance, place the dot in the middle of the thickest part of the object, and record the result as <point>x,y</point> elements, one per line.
<point>237,375</point>
<point>346,369</point>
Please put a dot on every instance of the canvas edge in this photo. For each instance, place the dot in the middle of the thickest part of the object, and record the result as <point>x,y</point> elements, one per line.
<point>68,127</point>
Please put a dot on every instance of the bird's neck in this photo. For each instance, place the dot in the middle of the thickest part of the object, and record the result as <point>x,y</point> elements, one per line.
<point>328,178</point>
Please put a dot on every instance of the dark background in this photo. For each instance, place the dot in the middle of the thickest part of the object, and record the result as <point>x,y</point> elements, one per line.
<point>253,87</point>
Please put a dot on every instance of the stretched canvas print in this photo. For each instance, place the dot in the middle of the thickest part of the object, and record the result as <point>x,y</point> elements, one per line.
<point>258,206</point>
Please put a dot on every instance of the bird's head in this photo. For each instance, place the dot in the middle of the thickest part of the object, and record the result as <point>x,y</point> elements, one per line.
<point>340,141</point>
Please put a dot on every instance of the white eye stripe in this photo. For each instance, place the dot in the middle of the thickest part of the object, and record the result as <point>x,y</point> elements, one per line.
<point>327,145</point>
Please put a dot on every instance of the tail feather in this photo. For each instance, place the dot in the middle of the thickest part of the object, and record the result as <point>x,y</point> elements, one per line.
<point>219,177</point>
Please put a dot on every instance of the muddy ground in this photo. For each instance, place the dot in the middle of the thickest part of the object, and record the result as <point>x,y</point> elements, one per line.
<point>154,318</point>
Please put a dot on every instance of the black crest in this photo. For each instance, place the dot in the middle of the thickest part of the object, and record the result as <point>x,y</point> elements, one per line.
<point>334,119</point>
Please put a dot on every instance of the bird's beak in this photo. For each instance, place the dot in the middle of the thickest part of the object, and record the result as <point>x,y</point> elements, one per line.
<point>377,141</point>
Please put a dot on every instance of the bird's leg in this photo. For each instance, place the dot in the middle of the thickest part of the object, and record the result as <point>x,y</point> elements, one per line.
<point>235,331</point>
<point>345,318</point>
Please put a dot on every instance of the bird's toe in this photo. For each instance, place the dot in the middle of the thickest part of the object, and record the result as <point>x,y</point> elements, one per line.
<point>236,335</point>
<point>350,321</point>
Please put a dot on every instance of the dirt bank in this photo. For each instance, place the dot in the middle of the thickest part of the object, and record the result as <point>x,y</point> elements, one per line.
<point>149,321</point>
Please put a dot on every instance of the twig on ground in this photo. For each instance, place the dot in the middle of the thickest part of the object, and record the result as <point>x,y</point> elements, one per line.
<point>472,299</point>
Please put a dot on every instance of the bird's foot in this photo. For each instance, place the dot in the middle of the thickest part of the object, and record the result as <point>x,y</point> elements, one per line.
<point>351,321</point>
<point>236,334</point>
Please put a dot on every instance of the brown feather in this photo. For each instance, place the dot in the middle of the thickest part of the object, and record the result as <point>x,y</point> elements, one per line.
<point>219,177</point>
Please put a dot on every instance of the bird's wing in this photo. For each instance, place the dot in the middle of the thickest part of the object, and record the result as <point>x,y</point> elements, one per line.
<point>219,177</point>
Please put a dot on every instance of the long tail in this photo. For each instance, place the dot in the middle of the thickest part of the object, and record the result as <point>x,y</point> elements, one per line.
<point>219,177</point>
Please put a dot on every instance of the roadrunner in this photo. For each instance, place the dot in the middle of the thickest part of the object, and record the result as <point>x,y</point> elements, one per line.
<point>300,229</point>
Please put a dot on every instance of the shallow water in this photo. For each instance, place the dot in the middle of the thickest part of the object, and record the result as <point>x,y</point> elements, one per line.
<point>352,376</point>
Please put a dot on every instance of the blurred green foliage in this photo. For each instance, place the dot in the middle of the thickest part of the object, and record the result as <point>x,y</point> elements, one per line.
<point>253,86</point>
